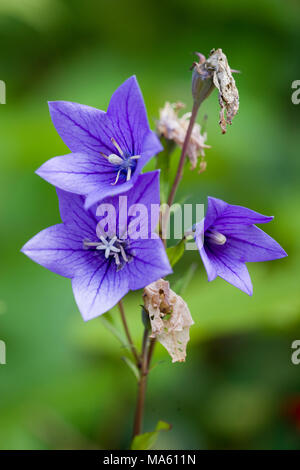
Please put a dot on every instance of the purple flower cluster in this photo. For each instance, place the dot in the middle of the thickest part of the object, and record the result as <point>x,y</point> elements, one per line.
<point>108,151</point>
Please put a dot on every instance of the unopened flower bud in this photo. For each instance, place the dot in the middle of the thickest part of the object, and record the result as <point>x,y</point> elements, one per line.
<point>202,81</point>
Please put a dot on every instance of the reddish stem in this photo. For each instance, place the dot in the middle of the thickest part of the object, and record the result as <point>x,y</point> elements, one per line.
<point>144,370</point>
<point>183,155</point>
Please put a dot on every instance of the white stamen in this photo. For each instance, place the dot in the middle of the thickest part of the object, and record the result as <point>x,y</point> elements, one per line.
<point>117,146</point>
<point>86,243</point>
<point>117,178</point>
<point>123,254</point>
<point>135,157</point>
<point>216,237</point>
<point>115,159</point>
<point>103,155</point>
<point>117,259</point>
<point>114,249</point>
<point>128,174</point>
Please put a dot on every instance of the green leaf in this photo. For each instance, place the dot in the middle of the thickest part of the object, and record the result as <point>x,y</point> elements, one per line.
<point>176,252</point>
<point>181,284</point>
<point>109,325</point>
<point>132,367</point>
<point>147,440</point>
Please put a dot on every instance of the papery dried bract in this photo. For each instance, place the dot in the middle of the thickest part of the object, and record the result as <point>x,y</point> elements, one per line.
<point>170,318</point>
<point>225,83</point>
<point>211,73</point>
<point>174,127</point>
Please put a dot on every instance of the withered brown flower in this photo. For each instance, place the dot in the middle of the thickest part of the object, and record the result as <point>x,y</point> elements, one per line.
<point>174,127</point>
<point>170,318</point>
<point>215,72</point>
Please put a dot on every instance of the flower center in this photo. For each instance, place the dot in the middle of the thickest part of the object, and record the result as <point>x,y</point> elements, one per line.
<point>112,247</point>
<point>216,237</point>
<point>124,163</point>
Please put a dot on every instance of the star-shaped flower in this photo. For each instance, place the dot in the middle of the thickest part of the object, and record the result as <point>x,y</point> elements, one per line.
<point>228,238</point>
<point>103,268</point>
<point>109,149</point>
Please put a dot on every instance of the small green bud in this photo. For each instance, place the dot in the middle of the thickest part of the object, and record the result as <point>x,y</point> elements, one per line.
<point>145,318</point>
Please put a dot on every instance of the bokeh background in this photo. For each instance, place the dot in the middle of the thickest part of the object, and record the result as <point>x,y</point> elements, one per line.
<point>65,384</point>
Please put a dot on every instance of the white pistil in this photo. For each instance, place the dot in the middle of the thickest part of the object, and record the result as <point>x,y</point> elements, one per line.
<point>120,161</point>
<point>108,246</point>
<point>216,237</point>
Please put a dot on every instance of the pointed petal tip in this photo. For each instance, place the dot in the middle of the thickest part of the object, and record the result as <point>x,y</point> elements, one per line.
<point>87,317</point>
<point>51,104</point>
<point>56,102</point>
<point>44,171</point>
<point>39,170</point>
<point>130,80</point>
<point>53,108</point>
<point>92,199</point>
<point>132,77</point>
<point>282,253</point>
<point>249,291</point>
<point>211,277</point>
<point>25,248</point>
<point>268,218</point>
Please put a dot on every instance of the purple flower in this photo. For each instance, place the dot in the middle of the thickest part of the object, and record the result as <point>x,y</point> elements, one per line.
<point>231,239</point>
<point>108,149</point>
<point>102,268</point>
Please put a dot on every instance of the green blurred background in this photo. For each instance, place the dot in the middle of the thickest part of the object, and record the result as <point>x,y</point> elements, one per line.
<point>64,384</point>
